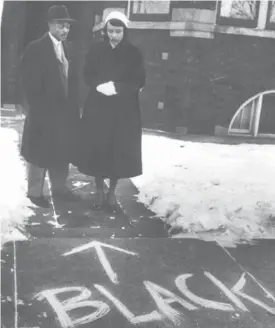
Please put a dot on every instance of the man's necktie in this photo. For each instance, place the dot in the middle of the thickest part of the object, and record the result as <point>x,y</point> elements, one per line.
<point>65,66</point>
<point>64,60</point>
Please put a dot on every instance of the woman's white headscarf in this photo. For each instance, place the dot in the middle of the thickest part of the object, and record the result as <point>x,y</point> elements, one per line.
<point>117,15</point>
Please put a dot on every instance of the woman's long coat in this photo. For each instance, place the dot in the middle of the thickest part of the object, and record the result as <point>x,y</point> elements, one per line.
<point>51,124</point>
<point>111,125</point>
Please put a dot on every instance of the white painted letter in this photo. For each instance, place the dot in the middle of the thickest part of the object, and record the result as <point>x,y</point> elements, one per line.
<point>62,308</point>
<point>149,317</point>
<point>164,298</point>
<point>180,282</point>
<point>101,256</point>
<point>233,298</point>
<point>237,289</point>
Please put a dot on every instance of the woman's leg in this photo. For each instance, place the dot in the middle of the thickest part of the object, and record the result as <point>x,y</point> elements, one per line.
<point>99,181</point>
<point>111,198</point>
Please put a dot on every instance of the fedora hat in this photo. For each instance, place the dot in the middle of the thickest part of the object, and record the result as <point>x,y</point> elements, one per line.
<point>59,13</point>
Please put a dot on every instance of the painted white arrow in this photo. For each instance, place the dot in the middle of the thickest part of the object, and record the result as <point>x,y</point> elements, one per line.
<point>97,245</point>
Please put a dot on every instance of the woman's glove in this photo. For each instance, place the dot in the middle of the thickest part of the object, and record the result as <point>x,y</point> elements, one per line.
<point>108,89</point>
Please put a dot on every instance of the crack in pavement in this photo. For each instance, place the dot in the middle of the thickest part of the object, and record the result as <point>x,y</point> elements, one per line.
<point>267,293</point>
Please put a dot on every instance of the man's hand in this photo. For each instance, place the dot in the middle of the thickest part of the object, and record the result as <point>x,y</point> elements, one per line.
<point>108,89</point>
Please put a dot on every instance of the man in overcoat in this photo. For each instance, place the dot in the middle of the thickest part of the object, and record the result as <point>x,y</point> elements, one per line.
<point>50,88</point>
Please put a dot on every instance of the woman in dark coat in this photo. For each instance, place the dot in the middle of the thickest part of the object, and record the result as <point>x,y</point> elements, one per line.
<point>111,121</point>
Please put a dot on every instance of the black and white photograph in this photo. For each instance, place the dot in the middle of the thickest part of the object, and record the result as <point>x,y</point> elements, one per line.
<point>137,164</point>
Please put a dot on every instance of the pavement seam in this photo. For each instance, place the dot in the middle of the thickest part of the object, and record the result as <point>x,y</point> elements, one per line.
<point>55,223</point>
<point>267,293</point>
<point>15,286</point>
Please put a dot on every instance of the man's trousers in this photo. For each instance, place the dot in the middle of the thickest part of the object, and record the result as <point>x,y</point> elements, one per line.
<point>36,179</point>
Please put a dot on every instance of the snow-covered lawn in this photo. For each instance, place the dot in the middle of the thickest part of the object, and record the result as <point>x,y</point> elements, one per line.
<point>210,191</point>
<point>13,202</point>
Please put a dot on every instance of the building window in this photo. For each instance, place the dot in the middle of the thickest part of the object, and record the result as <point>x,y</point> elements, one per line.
<point>151,7</point>
<point>158,10</point>
<point>270,24</point>
<point>238,13</point>
<point>239,9</point>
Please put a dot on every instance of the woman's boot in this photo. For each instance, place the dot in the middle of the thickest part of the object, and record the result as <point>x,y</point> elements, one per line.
<point>100,196</point>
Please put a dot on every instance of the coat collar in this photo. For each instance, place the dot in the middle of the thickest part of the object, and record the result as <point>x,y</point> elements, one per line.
<point>121,46</point>
<point>47,41</point>
<point>54,40</point>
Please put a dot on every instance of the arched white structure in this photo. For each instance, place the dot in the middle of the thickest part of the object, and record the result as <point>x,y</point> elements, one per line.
<point>247,118</point>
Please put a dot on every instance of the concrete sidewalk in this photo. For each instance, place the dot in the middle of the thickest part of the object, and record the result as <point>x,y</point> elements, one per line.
<point>152,283</point>
<point>77,219</point>
<point>85,268</point>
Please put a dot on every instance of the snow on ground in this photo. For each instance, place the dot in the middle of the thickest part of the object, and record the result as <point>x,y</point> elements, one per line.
<point>13,202</point>
<point>210,191</point>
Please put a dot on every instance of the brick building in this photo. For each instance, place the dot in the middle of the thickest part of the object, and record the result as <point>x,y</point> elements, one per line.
<point>203,58</point>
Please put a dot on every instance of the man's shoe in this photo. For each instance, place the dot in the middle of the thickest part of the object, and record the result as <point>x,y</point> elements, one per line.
<point>39,201</point>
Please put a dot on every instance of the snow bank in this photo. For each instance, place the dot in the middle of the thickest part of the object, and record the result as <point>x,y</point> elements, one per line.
<point>13,202</point>
<point>210,191</point>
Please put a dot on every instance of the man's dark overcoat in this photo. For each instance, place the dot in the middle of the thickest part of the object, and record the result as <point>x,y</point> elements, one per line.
<point>111,125</point>
<point>52,119</point>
